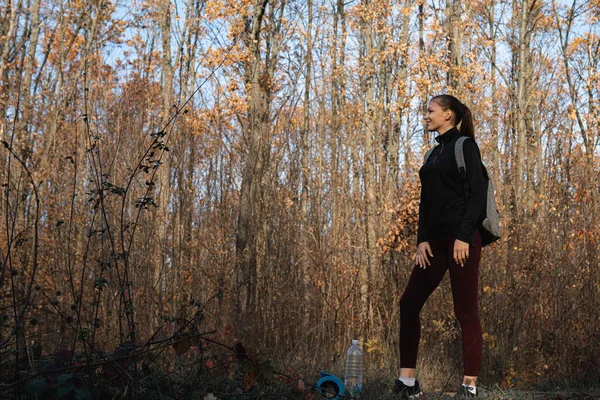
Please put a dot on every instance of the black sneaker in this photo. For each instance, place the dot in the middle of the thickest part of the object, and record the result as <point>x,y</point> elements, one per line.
<point>403,392</point>
<point>463,393</point>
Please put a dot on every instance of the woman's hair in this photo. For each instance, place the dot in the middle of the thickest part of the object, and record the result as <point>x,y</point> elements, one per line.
<point>462,114</point>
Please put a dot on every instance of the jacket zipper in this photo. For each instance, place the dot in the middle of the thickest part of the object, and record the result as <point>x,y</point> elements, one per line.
<point>438,154</point>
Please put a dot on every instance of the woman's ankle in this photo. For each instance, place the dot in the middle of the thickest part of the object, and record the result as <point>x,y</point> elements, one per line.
<point>470,381</point>
<point>410,373</point>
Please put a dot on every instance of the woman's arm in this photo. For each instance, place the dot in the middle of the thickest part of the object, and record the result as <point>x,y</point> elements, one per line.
<point>421,232</point>
<point>476,191</point>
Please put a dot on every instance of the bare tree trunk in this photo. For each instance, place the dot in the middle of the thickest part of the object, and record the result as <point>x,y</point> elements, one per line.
<point>164,171</point>
<point>7,31</point>
<point>522,83</point>
<point>252,173</point>
<point>305,234</point>
<point>24,141</point>
<point>344,172</point>
<point>258,135</point>
<point>370,135</point>
<point>424,94</point>
<point>495,112</point>
<point>338,178</point>
<point>454,35</point>
<point>394,126</point>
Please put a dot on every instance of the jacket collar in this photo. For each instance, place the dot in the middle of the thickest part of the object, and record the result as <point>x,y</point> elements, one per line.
<point>448,136</point>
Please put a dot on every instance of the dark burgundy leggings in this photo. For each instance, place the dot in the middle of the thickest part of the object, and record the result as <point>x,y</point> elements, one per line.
<point>423,282</point>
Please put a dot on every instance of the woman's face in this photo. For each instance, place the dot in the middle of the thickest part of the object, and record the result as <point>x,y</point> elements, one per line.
<point>436,118</point>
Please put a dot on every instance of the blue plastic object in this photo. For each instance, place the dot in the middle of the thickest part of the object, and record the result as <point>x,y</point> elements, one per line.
<point>330,387</point>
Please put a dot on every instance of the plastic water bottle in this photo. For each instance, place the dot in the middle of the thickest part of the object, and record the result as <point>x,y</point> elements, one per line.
<point>353,378</point>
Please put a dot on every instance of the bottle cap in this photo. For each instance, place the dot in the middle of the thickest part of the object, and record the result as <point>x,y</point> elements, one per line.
<point>354,341</point>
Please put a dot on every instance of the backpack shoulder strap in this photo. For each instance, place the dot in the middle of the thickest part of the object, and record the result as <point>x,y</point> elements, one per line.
<point>460,156</point>
<point>428,153</point>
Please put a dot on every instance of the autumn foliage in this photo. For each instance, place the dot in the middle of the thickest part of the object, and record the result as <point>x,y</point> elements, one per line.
<point>176,174</point>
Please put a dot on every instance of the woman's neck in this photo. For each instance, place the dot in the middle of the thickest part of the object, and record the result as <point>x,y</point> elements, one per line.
<point>445,129</point>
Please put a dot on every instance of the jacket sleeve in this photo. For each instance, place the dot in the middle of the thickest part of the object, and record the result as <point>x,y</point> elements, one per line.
<point>476,193</point>
<point>421,232</point>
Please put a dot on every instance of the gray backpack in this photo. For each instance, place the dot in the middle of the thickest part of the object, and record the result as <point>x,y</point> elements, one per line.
<point>489,229</point>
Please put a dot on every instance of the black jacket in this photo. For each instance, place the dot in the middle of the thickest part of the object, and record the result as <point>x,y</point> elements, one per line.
<point>446,208</point>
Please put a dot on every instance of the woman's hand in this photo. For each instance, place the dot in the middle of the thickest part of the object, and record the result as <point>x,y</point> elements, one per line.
<point>423,249</point>
<point>461,252</point>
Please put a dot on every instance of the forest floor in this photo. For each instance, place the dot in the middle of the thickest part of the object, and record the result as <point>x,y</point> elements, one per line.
<point>497,394</point>
<point>303,390</point>
<point>237,386</point>
<point>243,379</point>
<point>387,395</point>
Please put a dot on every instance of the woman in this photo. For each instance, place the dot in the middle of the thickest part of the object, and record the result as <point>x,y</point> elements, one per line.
<point>447,239</point>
